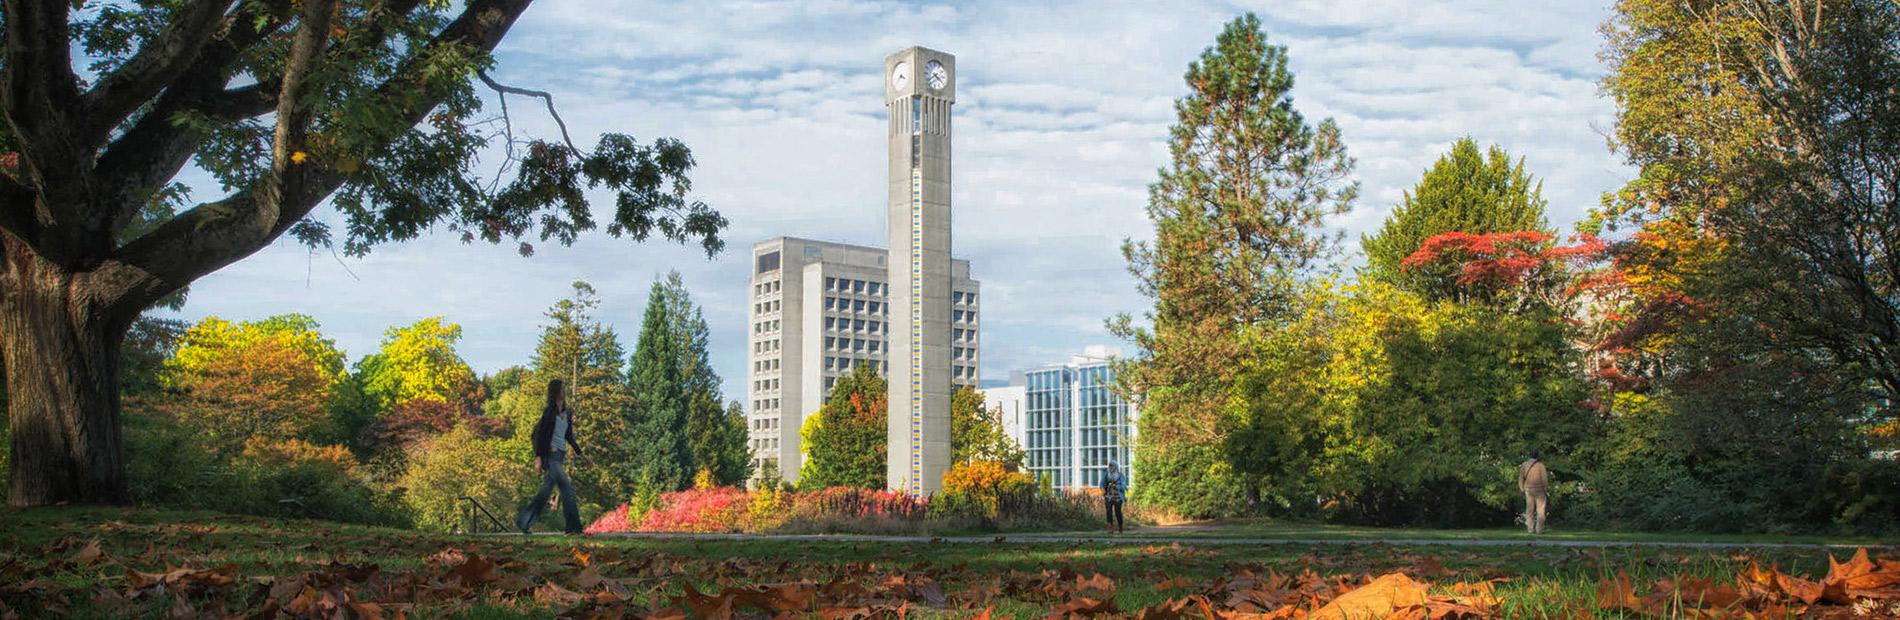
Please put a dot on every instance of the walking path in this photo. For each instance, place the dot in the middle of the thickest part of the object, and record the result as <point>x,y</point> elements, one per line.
<point>1138,539</point>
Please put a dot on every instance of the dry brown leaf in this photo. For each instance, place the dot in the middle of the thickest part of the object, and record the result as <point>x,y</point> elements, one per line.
<point>1378,599</point>
<point>89,554</point>
<point>1618,594</point>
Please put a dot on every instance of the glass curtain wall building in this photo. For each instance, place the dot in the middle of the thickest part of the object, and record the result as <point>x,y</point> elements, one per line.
<point>1073,422</point>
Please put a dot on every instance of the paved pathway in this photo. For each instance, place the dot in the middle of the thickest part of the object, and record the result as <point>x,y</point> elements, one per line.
<point>1141,539</point>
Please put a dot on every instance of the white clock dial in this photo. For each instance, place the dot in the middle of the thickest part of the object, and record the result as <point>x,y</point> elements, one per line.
<point>900,75</point>
<point>935,75</point>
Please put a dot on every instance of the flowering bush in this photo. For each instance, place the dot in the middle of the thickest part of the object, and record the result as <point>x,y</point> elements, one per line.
<point>720,509</point>
<point>851,509</point>
<point>614,521</point>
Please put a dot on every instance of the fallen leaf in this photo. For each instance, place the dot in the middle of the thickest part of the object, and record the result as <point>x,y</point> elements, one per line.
<point>1378,599</point>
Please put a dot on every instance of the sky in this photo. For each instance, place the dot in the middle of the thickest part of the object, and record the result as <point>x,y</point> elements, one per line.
<point>1060,123</point>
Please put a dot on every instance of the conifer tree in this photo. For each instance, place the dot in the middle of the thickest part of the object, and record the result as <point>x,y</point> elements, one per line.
<point>710,438</point>
<point>1465,191</point>
<point>580,351</point>
<point>657,447</point>
<point>1238,222</point>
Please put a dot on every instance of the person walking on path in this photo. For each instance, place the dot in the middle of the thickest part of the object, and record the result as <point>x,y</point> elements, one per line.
<point>552,438</point>
<point>1114,492</point>
<point>1534,480</point>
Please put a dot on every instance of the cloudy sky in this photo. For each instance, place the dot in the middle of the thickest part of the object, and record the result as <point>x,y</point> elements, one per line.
<point>1061,120</point>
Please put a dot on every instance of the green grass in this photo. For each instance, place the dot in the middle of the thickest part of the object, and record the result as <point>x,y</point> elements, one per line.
<point>1282,530</point>
<point>43,545</point>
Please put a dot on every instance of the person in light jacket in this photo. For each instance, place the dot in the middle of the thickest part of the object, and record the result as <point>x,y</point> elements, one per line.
<point>552,438</point>
<point>1114,493</point>
<point>1534,480</point>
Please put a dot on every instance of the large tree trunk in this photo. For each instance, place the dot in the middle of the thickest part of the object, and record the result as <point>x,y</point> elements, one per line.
<point>62,363</point>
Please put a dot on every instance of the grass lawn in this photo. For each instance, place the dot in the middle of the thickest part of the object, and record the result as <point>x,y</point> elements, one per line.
<point>96,562</point>
<point>1281,530</point>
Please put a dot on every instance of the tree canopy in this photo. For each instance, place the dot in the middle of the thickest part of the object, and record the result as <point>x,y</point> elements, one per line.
<point>372,108</point>
<point>1466,190</point>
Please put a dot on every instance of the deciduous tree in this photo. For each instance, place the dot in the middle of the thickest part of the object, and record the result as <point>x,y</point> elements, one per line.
<point>976,432</point>
<point>370,107</point>
<point>848,445</point>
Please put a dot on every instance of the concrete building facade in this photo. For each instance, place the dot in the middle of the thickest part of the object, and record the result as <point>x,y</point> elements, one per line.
<point>819,310</point>
<point>919,90</point>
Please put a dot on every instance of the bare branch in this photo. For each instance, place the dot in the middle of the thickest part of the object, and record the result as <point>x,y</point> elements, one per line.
<point>156,65</point>
<point>545,96</point>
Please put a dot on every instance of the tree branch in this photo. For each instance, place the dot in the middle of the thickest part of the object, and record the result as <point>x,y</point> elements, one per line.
<point>505,90</point>
<point>212,235</point>
<point>156,65</point>
<point>39,100</point>
<point>16,209</point>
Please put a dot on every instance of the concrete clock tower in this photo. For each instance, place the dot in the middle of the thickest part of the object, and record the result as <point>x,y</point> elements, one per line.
<point>919,87</point>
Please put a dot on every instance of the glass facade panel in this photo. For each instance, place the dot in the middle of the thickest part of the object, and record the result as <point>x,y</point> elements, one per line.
<point>1074,424</point>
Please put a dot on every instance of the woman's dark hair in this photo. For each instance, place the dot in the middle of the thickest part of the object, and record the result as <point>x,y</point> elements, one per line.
<point>557,398</point>
<point>1535,455</point>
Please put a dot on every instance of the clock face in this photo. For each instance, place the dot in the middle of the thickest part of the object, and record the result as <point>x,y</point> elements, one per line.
<point>935,75</point>
<point>900,75</point>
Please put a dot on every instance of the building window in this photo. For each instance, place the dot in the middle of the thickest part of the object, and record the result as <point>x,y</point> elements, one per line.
<point>857,324</point>
<point>768,261</point>
<point>831,283</point>
<point>857,306</point>
<point>857,287</point>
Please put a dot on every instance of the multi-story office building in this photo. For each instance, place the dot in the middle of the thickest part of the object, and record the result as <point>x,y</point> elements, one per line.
<point>819,310</point>
<point>1072,422</point>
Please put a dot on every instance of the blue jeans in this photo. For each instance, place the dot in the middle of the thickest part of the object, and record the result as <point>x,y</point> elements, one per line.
<point>554,474</point>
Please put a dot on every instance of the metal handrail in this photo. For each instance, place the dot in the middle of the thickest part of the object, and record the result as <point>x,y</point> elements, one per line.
<point>292,501</point>
<point>476,505</point>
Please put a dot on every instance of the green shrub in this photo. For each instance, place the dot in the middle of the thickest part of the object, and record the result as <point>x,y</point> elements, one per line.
<point>168,465</point>
<point>296,479</point>
<point>460,463</point>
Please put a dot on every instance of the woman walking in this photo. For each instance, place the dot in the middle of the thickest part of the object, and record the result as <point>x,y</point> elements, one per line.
<point>552,438</point>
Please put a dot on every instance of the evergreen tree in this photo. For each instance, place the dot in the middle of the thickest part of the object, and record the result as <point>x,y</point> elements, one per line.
<point>1465,191</point>
<point>657,447</point>
<point>578,350</point>
<point>710,441</point>
<point>1238,217</point>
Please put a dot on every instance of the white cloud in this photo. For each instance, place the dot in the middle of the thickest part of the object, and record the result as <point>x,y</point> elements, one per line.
<point>1061,124</point>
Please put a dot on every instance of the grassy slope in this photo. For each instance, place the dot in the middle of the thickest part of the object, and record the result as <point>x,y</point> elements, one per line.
<point>43,542</point>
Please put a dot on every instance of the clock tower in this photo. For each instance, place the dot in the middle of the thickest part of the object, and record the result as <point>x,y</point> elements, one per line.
<point>919,87</point>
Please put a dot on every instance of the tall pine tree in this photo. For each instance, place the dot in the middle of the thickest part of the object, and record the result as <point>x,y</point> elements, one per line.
<point>1238,218</point>
<point>580,351</point>
<point>1465,191</point>
<point>710,436</point>
<point>659,458</point>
